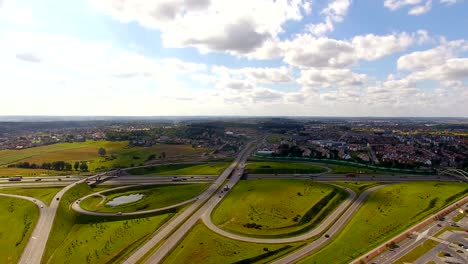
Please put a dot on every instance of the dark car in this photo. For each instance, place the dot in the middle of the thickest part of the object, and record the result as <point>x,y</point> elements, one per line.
<point>327,235</point>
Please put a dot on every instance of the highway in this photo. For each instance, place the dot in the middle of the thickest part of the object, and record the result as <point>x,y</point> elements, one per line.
<point>206,217</point>
<point>332,231</point>
<point>34,250</point>
<point>193,213</point>
<point>361,177</point>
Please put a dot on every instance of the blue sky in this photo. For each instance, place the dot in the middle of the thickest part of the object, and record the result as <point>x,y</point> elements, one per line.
<point>245,57</point>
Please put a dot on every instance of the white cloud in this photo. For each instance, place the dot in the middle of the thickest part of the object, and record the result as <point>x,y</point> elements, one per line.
<point>397,4</point>
<point>372,47</point>
<point>237,27</point>
<point>330,77</point>
<point>421,9</point>
<point>422,60</point>
<point>334,12</point>
<point>308,51</point>
<point>449,2</point>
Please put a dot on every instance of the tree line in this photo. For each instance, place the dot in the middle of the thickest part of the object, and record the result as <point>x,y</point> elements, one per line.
<point>56,165</point>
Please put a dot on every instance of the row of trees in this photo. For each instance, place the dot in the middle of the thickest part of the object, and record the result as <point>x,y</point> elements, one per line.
<point>56,165</point>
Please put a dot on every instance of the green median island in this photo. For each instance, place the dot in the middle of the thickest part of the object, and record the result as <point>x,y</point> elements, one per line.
<point>18,218</point>
<point>142,198</point>
<point>276,208</point>
<point>77,238</point>
<point>386,213</point>
<point>201,245</point>
<point>182,169</point>
<point>278,167</point>
<point>44,194</point>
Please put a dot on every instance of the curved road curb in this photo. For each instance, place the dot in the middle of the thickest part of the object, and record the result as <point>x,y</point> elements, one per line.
<point>333,230</point>
<point>76,205</point>
<point>206,217</point>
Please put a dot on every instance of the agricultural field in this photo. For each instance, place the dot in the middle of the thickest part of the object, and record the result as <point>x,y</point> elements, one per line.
<point>201,245</point>
<point>19,218</point>
<point>43,194</point>
<point>110,239</point>
<point>278,167</point>
<point>118,154</point>
<point>386,213</point>
<point>276,208</point>
<point>182,169</point>
<point>154,197</point>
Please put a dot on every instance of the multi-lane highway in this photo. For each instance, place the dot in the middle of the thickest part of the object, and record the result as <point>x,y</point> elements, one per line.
<point>34,250</point>
<point>182,224</point>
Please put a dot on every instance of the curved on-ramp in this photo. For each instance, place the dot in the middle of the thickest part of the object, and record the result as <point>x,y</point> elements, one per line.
<point>76,205</point>
<point>332,231</point>
<point>206,217</point>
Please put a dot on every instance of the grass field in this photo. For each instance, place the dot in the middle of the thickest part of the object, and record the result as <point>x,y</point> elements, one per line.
<point>201,245</point>
<point>154,197</point>
<point>277,138</point>
<point>277,167</point>
<point>182,169</point>
<point>43,194</point>
<point>118,154</point>
<point>274,208</point>
<point>417,252</point>
<point>18,218</point>
<point>85,239</point>
<point>386,213</point>
<point>8,172</point>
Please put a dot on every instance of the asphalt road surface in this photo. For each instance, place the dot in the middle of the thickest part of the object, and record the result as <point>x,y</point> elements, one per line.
<point>333,230</point>
<point>206,217</point>
<point>34,250</point>
<point>193,213</point>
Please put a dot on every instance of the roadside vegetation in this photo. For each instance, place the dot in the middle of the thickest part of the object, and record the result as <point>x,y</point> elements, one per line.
<point>276,208</point>
<point>182,169</point>
<point>43,194</point>
<point>78,238</point>
<point>153,197</point>
<point>98,156</point>
<point>277,167</point>
<point>386,213</point>
<point>18,218</point>
<point>201,245</point>
<point>358,186</point>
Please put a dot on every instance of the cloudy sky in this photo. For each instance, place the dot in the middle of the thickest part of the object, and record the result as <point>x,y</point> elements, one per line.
<point>243,57</point>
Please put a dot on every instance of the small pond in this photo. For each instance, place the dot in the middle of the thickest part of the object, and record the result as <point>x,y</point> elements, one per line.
<point>125,199</point>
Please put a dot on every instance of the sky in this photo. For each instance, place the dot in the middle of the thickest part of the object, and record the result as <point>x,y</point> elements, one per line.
<point>241,58</point>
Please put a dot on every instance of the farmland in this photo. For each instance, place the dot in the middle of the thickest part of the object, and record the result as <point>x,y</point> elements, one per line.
<point>273,208</point>
<point>277,167</point>
<point>19,218</point>
<point>118,154</point>
<point>385,213</point>
<point>182,169</point>
<point>73,235</point>
<point>154,197</point>
<point>201,245</point>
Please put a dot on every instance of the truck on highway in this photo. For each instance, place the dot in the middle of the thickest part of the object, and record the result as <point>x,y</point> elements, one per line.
<point>15,178</point>
<point>351,175</point>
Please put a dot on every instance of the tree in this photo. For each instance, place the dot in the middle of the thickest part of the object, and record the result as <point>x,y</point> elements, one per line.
<point>102,151</point>
<point>76,165</point>
<point>84,166</point>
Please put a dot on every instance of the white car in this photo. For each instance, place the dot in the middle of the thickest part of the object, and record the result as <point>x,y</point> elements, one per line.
<point>42,206</point>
